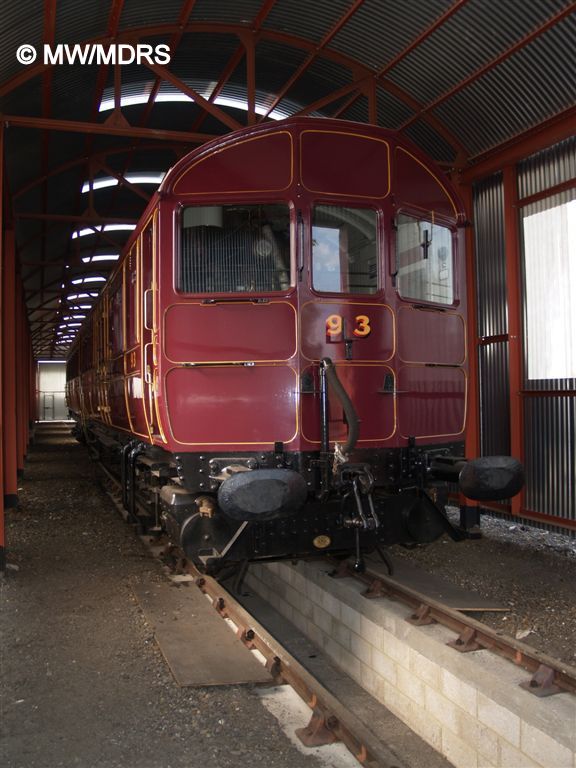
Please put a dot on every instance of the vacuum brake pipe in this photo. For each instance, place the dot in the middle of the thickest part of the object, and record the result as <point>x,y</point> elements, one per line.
<point>351,416</point>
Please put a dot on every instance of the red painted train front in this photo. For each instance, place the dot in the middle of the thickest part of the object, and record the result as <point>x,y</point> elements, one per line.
<point>277,367</point>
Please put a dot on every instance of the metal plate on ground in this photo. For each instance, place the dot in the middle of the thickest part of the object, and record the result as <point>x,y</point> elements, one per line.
<point>199,647</point>
<point>436,588</point>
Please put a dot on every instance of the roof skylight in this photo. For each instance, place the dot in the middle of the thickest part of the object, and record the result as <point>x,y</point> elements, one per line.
<point>93,279</point>
<point>233,96</point>
<point>141,177</point>
<point>102,228</point>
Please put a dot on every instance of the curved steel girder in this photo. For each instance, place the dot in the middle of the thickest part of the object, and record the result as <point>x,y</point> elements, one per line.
<point>98,158</point>
<point>510,51</point>
<point>362,73</point>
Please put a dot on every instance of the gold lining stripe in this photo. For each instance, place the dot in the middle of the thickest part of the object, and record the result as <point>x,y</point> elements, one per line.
<point>206,306</point>
<point>431,362</point>
<point>347,363</point>
<point>346,194</point>
<point>464,420</point>
<point>211,154</point>
<point>260,442</point>
<point>321,302</point>
<point>436,179</point>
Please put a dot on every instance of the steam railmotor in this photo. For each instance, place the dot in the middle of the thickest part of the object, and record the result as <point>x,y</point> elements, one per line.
<point>278,365</point>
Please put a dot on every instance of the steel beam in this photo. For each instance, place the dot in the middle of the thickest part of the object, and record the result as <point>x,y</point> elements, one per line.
<point>526,40</point>
<point>89,220</point>
<point>525,144</point>
<point>208,106</point>
<point>469,509</point>
<point>98,159</point>
<point>514,302</point>
<point>106,129</point>
<point>314,54</point>
<point>21,380</point>
<point>2,423</point>
<point>9,442</point>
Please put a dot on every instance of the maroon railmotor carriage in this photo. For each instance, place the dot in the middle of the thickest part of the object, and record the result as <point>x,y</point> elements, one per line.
<point>277,367</point>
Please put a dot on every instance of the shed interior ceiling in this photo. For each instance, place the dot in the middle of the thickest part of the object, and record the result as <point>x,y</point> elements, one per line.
<point>460,78</point>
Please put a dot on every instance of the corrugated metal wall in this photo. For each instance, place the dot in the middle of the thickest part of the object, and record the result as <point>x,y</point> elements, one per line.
<point>549,418</point>
<point>549,405</point>
<point>492,317</point>
<point>547,169</point>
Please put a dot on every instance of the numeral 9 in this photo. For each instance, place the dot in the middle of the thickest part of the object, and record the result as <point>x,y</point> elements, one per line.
<point>333,325</point>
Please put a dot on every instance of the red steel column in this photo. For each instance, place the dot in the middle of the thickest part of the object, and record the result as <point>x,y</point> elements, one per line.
<point>34,387</point>
<point>9,437</point>
<point>514,299</point>
<point>31,385</point>
<point>20,445</point>
<point>469,509</point>
<point>2,527</point>
<point>21,378</point>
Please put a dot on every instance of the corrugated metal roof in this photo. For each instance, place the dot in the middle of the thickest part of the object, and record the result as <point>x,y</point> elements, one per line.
<point>381,29</point>
<point>136,13</point>
<point>518,94</point>
<point>309,20</point>
<point>495,74</point>
<point>78,20</point>
<point>424,135</point>
<point>226,11</point>
<point>21,23</point>
<point>474,36</point>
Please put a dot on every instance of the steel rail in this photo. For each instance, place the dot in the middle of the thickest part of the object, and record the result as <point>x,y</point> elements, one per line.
<point>331,720</point>
<point>549,675</point>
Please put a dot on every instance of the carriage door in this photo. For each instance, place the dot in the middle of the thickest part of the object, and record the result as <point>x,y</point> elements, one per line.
<point>348,322</point>
<point>148,307</point>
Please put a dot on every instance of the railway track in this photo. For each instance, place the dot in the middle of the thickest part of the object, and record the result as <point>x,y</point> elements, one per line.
<point>548,675</point>
<point>332,720</point>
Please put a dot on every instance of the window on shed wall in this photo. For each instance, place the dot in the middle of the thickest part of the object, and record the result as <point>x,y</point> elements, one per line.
<point>424,260</point>
<point>549,235</point>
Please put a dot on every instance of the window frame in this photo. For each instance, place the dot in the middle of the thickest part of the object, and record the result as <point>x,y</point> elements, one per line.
<point>434,219</point>
<point>535,305</point>
<point>116,312</point>
<point>380,248</point>
<point>293,231</point>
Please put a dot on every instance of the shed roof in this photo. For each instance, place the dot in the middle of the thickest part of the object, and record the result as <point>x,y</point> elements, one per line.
<point>461,78</point>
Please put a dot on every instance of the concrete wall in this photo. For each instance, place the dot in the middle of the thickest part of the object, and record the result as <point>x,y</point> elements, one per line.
<point>467,706</point>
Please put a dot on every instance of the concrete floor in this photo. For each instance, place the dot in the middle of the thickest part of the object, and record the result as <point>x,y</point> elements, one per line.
<point>82,680</point>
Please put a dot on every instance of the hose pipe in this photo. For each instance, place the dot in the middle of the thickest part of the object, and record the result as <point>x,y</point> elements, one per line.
<point>349,410</point>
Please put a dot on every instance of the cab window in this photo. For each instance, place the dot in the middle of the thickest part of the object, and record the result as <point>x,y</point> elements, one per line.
<point>424,260</point>
<point>344,249</point>
<point>234,249</point>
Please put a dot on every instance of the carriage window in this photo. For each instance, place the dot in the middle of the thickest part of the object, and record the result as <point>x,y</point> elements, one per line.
<point>131,283</point>
<point>116,320</point>
<point>424,261</point>
<point>344,250</point>
<point>87,351</point>
<point>234,249</point>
